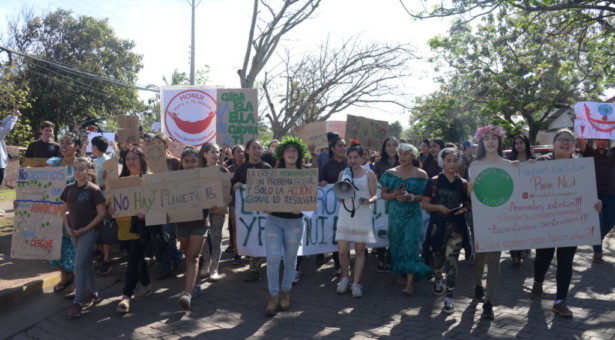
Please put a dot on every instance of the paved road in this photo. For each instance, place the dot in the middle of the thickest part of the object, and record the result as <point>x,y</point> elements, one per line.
<point>232,309</point>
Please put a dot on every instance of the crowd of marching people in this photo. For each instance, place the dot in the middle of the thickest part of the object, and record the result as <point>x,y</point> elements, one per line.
<point>427,191</point>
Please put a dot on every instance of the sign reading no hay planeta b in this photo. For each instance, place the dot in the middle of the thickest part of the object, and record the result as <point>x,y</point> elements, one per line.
<point>189,114</point>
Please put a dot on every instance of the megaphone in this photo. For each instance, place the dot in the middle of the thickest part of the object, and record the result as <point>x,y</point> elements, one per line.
<point>345,188</point>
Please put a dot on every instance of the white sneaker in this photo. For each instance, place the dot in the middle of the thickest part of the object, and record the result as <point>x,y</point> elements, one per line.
<point>342,286</point>
<point>184,300</point>
<point>214,277</point>
<point>356,290</point>
<point>297,277</point>
<point>438,287</point>
<point>449,305</point>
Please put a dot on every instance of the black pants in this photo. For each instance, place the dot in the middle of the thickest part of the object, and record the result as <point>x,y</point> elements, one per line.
<point>137,267</point>
<point>1,175</point>
<point>565,257</point>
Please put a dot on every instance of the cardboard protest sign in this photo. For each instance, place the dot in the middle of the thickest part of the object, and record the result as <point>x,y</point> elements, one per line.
<point>225,177</point>
<point>313,134</point>
<point>189,114</point>
<point>237,119</point>
<point>319,233</point>
<point>594,120</point>
<point>111,167</point>
<point>338,126</point>
<point>108,135</point>
<point>176,148</point>
<point>180,195</point>
<point>34,162</point>
<point>37,227</point>
<point>539,205</point>
<point>156,158</point>
<point>371,133</point>
<point>281,190</point>
<point>128,129</point>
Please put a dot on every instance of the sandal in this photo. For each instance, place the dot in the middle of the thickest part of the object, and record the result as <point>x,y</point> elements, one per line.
<point>143,293</point>
<point>61,286</point>
<point>124,306</point>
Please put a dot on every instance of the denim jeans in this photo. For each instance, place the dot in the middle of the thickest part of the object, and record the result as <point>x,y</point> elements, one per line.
<point>84,268</point>
<point>607,218</point>
<point>282,239</point>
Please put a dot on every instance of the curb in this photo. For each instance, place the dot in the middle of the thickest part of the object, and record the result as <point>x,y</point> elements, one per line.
<point>13,296</point>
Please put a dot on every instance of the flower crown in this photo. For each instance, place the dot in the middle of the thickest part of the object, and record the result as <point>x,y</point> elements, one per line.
<point>354,142</point>
<point>481,132</point>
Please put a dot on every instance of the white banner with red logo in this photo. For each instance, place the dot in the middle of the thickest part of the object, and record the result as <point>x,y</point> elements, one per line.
<point>594,120</point>
<point>188,114</point>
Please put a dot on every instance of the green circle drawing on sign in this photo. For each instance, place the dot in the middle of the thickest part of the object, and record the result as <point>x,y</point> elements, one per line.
<point>493,187</point>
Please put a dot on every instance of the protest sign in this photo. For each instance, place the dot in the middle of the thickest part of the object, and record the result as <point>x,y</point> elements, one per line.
<point>37,227</point>
<point>237,119</point>
<point>320,227</point>
<point>188,114</point>
<point>176,148</point>
<point>370,132</point>
<point>179,195</point>
<point>156,158</point>
<point>535,205</point>
<point>128,129</point>
<point>338,126</point>
<point>225,177</point>
<point>594,120</point>
<point>281,190</point>
<point>108,135</point>
<point>313,134</point>
<point>111,167</point>
<point>34,162</point>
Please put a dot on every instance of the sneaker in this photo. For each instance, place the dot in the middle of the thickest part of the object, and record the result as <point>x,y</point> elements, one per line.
<point>380,268</point>
<point>297,277</point>
<point>479,294</point>
<point>92,299</point>
<point>438,287</point>
<point>75,310</point>
<point>342,286</point>
<point>488,311</point>
<point>196,291</point>
<point>184,300</point>
<point>562,310</point>
<point>449,305</point>
<point>104,269</point>
<point>214,277</point>
<point>537,290</point>
<point>356,290</point>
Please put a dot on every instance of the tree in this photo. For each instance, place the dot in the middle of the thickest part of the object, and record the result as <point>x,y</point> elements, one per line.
<point>334,79</point>
<point>583,13</point>
<point>511,66</point>
<point>61,51</point>
<point>14,94</point>
<point>182,78</point>
<point>394,129</point>
<point>270,31</point>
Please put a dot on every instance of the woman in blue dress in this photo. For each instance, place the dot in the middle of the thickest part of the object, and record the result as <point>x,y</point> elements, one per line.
<point>403,185</point>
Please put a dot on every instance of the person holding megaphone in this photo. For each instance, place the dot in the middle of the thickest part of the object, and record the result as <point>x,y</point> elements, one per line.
<point>356,190</point>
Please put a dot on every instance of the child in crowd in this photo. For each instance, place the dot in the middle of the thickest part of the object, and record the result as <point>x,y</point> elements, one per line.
<point>85,205</point>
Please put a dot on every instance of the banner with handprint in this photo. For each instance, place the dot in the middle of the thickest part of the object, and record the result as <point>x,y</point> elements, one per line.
<point>594,120</point>
<point>37,228</point>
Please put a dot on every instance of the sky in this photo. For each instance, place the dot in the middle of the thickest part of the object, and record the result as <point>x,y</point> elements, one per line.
<point>161,31</point>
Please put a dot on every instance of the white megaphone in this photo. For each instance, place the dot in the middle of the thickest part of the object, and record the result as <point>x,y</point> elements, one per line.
<point>345,188</point>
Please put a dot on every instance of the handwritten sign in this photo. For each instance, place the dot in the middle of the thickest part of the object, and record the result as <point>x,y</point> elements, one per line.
<point>541,205</point>
<point>320,227</point>
<point>180,195</point>
<point>37,227</point>
<point>370,132</point>
<point>282,190</point>
<point>128,129</point>
<point>156,158</point>
<point>594,120</point>
<point>313,134</point>
<point>237,116</point>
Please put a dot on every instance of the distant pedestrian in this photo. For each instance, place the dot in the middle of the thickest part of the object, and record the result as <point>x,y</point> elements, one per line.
<point>5,127</point>
<point>44,147</point>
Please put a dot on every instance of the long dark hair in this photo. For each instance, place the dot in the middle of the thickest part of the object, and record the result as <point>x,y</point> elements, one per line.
<point>528,150</point>
<point>137,150</point>
<point>332,145</point>
<point>247,147</point>
<point>74,139</point>
<point>384,155</point>
<point>481,153</point>
<point>189,151</point>
<point>205,149</point>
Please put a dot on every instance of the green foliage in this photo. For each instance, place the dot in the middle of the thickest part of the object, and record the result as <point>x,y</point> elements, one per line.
<point>512,66</point>
<point>83,43</point>
<point>394,129</point>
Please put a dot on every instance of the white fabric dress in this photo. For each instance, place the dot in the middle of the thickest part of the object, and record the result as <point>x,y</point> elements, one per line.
<point>360,227</point>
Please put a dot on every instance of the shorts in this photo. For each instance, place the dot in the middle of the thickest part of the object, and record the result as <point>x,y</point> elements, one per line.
<point>185,232</point>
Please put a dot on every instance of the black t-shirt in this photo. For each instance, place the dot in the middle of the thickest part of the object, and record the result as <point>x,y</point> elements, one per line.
<point>448,194</point>
<point>40,149</point>
<point>330,171</point>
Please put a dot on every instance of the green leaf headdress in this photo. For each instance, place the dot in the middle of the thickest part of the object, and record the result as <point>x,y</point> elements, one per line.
<point>291,141</point>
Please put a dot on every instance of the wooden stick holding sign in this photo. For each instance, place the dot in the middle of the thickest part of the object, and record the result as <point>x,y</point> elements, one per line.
<point>281,190</point>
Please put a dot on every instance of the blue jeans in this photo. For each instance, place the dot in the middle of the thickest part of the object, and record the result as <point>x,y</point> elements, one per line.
<point>607,218</point>
<point>282,239</point>
<point>84,268</point>
<point>171,255</point>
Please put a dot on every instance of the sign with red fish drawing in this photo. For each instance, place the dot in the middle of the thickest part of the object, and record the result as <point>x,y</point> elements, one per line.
<point>189,114</point>
<point>594,120</point>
